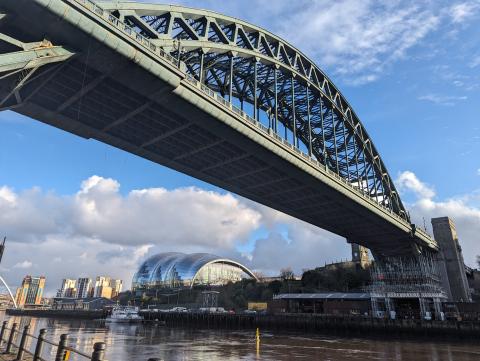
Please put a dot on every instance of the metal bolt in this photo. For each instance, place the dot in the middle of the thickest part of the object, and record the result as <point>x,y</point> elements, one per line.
<point>21,347</point>
<point>10,339</point>
<point>39,347</point>
<point>61,347</point>
<point>98,353</point>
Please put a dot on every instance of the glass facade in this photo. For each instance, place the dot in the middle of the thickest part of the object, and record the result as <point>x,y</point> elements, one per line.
<point>176,270</point>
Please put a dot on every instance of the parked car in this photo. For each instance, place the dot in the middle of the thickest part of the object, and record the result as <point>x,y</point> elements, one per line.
<point>178,309</point>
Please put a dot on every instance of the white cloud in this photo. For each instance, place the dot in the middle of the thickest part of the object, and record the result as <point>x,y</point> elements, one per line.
<point>408,181</point>
<point>365,42</point>
<point>462,209</point>
<point>462,11</point>
<point>446,100</point>
<point>148,216</point>
<point>304,247</point>
<point>478,171</point>
<point>99,230</point>
<point>7,196</point>
<point>23,265</point>
<point>474,62</point>
<point>185,216</point>
<point>355,40</point>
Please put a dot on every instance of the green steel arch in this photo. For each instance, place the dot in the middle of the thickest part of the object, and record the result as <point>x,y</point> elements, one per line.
<point>210,96</point>
<point>279,85</point>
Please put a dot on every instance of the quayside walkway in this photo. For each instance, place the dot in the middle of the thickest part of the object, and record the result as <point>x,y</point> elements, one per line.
<point>20,345</point>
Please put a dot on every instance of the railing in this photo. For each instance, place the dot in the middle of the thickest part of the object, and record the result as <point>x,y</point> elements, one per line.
<point>126,29</point>
<point>10,335</point>
<point>286,143</point>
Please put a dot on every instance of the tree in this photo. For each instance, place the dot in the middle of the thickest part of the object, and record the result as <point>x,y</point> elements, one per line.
<point>287,274</point>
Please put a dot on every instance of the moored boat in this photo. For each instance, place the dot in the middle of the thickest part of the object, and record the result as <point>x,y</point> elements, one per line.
<point>124,314</point>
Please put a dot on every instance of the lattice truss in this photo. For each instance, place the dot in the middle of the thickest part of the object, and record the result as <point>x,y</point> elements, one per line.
<point>275,83</point>
<point>406,274</point>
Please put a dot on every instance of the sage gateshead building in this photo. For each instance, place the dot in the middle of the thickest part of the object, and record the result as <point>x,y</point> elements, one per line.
<point>179,270</point>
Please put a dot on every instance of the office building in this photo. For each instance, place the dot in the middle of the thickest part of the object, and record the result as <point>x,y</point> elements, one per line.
<point>31,291</point>
<point>68,288</point>
<point>107,287</point>
<point>84,286</point>
<point>102,287</point>
<point>116,286</point>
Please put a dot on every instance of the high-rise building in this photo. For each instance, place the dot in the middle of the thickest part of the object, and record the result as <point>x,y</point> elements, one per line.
<point>68,288</point>
<point>116,286</point>
<point>31,291</point>
<point>107,287</point>
<point>84,286</point>
<point>102,287</point>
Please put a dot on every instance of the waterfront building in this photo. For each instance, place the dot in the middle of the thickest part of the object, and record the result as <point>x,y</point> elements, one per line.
<point>68,288</point>
<point>333,303</point>
<point>84,286</point>
<point>31,291</point>
<point>179,270</point>
<point>81,304</point>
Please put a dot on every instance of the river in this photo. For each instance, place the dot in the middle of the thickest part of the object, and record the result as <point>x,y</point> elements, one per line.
<point>140,342</point>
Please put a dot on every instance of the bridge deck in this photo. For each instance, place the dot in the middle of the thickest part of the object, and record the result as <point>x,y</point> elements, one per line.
<point>117,91</point>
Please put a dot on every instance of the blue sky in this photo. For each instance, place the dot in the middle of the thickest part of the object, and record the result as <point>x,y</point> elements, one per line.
<point>411,71</point>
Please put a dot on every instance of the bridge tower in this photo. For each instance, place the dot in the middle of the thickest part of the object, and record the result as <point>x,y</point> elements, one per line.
<point>452,265</point>
<point>360,255</point>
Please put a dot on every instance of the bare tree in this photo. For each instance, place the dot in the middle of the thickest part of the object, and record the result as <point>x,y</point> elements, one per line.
<point>287,274</point>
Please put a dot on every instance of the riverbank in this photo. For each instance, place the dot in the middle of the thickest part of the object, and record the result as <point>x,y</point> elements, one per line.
<point>293,322</point>
<point>82,315</point>
<point>323,323</point>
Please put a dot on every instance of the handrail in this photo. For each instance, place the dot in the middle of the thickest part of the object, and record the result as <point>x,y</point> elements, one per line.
<point>62,347</point>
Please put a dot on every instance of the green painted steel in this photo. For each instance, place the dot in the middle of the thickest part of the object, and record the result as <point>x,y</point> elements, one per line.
<point>29,59</point>
<point>214,106</point>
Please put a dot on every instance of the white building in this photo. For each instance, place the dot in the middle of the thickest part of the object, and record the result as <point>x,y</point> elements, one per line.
<point>84,285</point>
<point>102,283</point>
<point>68,288</point>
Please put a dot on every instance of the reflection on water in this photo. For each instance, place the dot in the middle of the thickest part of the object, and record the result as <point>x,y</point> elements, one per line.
<point>139,342</point>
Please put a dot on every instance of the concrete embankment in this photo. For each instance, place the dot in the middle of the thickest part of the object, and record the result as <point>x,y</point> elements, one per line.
<point>291,322</point>
<point>85,315</point>
<point>322,323</point>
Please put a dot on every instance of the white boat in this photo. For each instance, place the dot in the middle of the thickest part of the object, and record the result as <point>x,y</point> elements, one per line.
<point>124,314</point>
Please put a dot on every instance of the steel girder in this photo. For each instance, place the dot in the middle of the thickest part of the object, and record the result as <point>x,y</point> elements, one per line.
<point>24,63</point>
<point>274,81</point>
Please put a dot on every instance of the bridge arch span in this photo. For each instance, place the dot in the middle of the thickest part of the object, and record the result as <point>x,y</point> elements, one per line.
<point>210,96</point>
<point>274,82</point>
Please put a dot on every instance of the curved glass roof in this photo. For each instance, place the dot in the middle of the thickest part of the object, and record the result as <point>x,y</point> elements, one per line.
<point>176,269</point>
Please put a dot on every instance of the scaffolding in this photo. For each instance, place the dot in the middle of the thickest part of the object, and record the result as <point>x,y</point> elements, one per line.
<point>416,276</point>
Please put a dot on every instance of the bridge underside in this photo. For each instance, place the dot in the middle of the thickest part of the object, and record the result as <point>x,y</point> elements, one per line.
<point>100,94</point>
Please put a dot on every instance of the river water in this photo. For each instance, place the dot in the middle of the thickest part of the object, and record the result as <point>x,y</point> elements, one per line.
<point>140,342</point>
